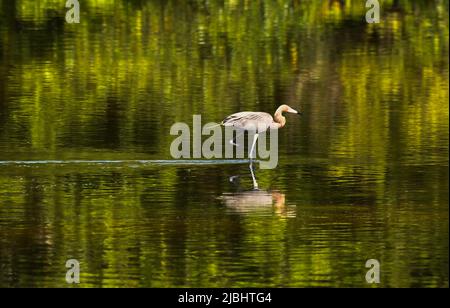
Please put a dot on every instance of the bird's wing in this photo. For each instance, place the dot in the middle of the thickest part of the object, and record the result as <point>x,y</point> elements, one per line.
<point>249,120</point>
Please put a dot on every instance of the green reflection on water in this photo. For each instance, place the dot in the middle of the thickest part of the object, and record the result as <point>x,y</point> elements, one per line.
<point>364,174</point>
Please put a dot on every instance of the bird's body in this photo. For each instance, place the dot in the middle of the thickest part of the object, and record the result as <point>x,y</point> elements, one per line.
<point>248,120</point>
<point>258,122</point>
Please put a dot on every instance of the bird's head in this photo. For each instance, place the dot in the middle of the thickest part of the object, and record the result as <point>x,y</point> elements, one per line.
<point>286,108</point>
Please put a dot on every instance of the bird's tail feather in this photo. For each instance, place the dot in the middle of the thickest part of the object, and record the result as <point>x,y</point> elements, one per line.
<point>213,126</point>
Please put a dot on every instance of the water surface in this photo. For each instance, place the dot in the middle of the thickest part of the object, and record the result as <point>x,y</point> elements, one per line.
<point>86,171</point>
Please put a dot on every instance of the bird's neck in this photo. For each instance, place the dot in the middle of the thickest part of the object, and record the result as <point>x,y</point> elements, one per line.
<point>279,119</point>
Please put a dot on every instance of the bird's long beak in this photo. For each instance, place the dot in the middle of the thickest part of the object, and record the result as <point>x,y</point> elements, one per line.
<point>290,110</point>
<point>297,112</point>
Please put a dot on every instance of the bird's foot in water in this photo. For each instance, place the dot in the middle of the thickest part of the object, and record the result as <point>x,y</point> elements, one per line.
<point>233,179</point>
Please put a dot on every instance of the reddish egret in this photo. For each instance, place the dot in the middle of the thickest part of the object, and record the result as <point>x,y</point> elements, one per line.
<point>258,122</point>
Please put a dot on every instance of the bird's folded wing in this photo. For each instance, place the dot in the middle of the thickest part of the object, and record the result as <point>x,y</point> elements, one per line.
<point>249,120</point>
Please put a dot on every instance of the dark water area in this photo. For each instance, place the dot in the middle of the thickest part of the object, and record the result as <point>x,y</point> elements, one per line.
<point>85,165</point>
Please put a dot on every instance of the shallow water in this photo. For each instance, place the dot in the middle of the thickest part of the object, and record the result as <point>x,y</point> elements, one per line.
<point>86,171</point>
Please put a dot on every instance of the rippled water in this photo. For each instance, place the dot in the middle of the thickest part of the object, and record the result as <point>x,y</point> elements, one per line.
<point>86,172</point>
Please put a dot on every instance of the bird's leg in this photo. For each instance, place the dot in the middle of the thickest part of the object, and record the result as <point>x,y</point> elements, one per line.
<point>251,154</point>
<point>234,140</point>
<point>255,184</point>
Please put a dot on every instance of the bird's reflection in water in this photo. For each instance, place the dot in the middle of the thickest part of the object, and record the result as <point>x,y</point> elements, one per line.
<point>260,202</point>
<point>256,201</point>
